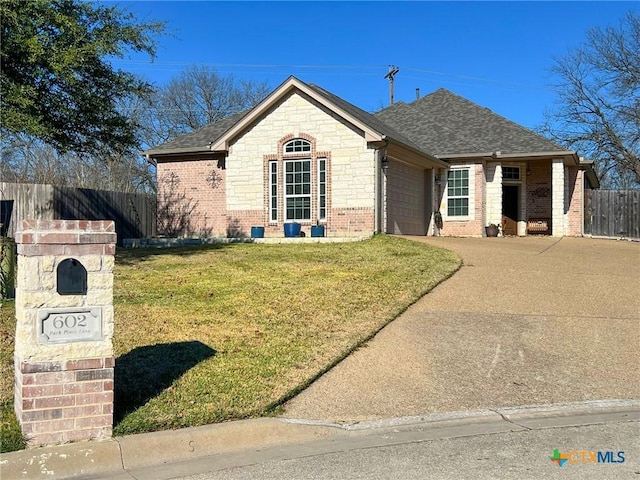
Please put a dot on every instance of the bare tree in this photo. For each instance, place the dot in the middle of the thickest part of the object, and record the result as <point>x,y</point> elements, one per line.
<point>25,159</point>
<point>197,97</point>
<point>598,107</point>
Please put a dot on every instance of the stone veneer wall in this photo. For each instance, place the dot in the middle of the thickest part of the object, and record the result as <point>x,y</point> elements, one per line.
<point>63,391</point>
<point>240,201</point>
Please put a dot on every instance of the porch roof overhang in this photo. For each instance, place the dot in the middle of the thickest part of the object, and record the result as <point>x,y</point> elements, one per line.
<point>570,157</point>
<point>567,155</point>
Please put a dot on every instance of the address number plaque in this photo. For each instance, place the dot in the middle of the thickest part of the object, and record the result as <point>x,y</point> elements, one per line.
<point>67,325</point>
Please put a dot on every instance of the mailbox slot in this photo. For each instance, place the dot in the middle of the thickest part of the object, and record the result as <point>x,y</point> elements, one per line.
<point>71,277</point>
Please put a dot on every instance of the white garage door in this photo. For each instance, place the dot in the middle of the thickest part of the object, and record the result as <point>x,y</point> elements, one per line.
<point>405,200</point>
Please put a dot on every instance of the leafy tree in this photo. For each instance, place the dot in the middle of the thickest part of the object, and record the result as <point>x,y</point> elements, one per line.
<point>598,107</point>
<point>195,98</point>
<point>57,83</point>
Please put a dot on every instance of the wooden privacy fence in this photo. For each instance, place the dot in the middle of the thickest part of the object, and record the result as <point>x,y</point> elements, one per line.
<point>134,214</point>
<point>612,213</point>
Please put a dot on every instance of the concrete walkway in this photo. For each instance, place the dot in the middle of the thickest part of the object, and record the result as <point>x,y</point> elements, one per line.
<point>525,321</point>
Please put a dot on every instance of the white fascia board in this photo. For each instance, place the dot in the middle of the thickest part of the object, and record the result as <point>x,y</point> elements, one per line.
<point>510,156</point>
<point>288,86</point>
<point>465,155</point>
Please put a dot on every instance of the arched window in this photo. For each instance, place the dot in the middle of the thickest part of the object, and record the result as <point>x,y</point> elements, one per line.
<point>297,146</point>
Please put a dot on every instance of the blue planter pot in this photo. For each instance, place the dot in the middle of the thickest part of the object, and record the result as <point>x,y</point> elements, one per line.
<point>317,231</point>
<point>292,229</point>
<point>257,232</point>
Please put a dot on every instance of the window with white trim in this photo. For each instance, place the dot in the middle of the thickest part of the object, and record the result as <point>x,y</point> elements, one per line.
<point>322,189</point>
<point>510,173</point>
<point>297,189</point>
<point>273,191</point>
<point>297,146</point>
<point>458,193</point>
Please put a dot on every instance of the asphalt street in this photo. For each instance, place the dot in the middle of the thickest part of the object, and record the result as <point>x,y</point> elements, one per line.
<point>505,456</point>
<point>597,442</point>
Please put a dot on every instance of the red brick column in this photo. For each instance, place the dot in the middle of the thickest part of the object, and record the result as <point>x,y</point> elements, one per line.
<point>64,359</point>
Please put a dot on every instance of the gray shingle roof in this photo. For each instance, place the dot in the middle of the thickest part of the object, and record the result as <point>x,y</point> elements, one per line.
<point>441,123</point>
<point>199,139</point>
<point>444,123</point>
<point>367,118</point>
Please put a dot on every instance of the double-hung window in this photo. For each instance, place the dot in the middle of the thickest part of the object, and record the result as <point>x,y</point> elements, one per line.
<point>458,193</point>
<point>297,189</point>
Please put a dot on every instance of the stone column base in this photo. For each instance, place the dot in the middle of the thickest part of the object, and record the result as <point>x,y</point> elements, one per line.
<point>67,401</point>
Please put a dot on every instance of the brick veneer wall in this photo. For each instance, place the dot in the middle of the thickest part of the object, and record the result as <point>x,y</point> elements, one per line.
<point>64,401</point>
<point>539,190</point>
<point>63,391</point>
<point>474,227</point>
<point>575,196</point>
<point>193,188</point>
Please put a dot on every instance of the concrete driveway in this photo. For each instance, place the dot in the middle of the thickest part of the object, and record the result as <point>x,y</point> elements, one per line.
<point>525,321</point>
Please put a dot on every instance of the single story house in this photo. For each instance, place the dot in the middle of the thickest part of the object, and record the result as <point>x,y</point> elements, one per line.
<point>441,165</point>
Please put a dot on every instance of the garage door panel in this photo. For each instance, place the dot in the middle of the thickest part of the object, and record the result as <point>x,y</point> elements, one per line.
<point>405,200</point>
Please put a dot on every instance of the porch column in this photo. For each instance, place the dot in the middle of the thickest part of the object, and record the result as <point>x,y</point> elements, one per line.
<point>494,193</point>
<point>557,198</point>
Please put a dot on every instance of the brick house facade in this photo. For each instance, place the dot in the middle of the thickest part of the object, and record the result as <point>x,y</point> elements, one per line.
<point>304,155</point>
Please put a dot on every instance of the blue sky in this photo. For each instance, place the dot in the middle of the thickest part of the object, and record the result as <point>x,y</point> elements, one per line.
<point>496,54</point>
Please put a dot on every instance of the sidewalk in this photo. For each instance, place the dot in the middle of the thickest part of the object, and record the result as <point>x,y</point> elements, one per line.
<point>190,451</point>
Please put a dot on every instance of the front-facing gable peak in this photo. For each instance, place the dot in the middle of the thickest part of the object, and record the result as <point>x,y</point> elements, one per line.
<point>294,85</point>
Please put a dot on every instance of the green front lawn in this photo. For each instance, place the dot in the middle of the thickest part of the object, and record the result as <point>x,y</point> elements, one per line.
<point>225,332</point>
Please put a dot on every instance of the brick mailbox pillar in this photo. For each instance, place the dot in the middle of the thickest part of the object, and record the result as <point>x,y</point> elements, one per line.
<point>64,325</point>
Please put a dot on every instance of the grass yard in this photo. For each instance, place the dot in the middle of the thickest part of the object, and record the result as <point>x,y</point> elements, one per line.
<point>209,334</point>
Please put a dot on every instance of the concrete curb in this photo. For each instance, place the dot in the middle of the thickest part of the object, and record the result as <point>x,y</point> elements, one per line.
<point>137,452</point>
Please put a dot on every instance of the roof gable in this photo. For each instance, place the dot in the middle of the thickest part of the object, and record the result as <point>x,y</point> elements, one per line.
<point>218,136</point>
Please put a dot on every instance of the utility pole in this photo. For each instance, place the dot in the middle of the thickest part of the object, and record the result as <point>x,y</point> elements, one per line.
<point>392,72</point>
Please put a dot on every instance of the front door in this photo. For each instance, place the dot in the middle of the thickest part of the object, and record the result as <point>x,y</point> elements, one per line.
<point>510,208</point>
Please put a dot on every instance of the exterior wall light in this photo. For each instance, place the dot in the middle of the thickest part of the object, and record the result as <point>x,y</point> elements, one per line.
<point>385,162</point>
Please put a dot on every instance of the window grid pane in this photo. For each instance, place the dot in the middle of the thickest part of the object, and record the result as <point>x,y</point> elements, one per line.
<point>458,193</point>
<point>322,189</point>
<point>295,146</point>
<point>298,190</point>
<point>511,173</point>
<point>273,180</point>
